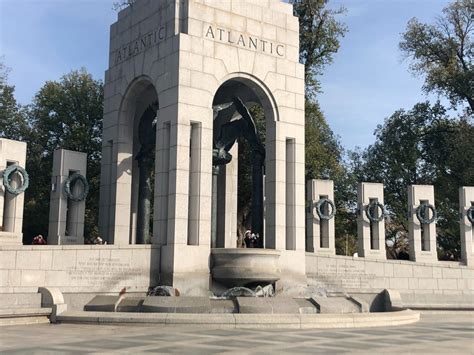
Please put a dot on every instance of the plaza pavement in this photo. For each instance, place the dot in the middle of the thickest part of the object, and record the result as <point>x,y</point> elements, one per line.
<point>446,333</point>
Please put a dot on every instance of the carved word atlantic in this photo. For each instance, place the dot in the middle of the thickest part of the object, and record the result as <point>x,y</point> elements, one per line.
<point>140,44</point>
<point>245,41</point>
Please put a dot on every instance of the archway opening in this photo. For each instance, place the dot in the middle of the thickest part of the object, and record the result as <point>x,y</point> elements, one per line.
<point>243,114</point>
<point>142,118</point>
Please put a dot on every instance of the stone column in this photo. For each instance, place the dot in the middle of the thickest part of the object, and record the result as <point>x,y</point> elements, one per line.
<point>258,162</point>
<point>66,217</point>
<point>371,234</point>
<point>183,265</point>
<point>106,216</point>
<point>227,186</point>
<point>215,207</point>
<point>194,181</point>
<point>11,206</point>
<point>466,202</point>
<point>162,176</point>
<point>231,187</point>
<point>285,199</point>
<point>422,237</point>
<point>320,233</point>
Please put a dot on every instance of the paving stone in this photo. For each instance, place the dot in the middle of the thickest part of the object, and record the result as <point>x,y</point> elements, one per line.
<point>449,333</point>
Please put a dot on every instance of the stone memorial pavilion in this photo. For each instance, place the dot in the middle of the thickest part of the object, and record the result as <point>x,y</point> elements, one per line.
<point>189,58</point>
<point>185,84</point>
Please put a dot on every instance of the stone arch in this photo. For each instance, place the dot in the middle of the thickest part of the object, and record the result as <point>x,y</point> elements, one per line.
<point>252,91</point>
<point>139,95</point>
<point>259,87</point>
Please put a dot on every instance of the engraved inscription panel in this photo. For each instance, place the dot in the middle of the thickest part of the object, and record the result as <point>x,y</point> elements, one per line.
<point>335,277</point>
<point>96,271</point>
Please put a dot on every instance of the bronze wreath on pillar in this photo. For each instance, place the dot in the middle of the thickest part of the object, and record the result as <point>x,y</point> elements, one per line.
<point>423,215</point>
<point>470,214</point>
<point>318,208</point>
<point>370,211</point>
<point>7,180</point>
<point>70,181</point>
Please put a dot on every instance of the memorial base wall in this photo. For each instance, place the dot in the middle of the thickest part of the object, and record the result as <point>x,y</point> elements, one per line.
<point>79,269</point>
<point>353,275</point>
<point>108,269</point>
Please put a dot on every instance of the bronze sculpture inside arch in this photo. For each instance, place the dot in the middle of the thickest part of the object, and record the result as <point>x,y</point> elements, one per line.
<point>146,163</point>
<point>229,133</point>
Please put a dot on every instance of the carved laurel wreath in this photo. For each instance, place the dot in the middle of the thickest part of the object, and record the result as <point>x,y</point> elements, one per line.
<point>70,181</point>
<point>7,180</point>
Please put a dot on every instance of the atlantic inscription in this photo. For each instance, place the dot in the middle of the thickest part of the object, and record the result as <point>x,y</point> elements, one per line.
<point>229,37</point>
<point>244,40</point>
<point>139,45</point>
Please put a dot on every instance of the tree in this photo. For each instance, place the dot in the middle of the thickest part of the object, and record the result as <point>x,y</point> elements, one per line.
<point>421,146</point>
<point>12,119</point>
<point>320,33</point>
<point>122,4</point>
<point>324,160</point>
<point>450,152</point>
<point>65,114</point>
<point>319,38</point>
<point>444,52</point>
<point>320,142</point>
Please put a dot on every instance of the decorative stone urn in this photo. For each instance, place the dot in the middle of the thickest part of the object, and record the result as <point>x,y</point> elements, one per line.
<point>242,267</point>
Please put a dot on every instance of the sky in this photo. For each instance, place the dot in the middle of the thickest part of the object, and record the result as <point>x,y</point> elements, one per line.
<point>369,79</point>
<point>41,40</point>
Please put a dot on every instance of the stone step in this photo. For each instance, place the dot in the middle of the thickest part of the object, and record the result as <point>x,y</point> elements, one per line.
<point>24,320</point>
<point>156,304</point>
<point>162,304</point>
<point>17,316</point>
<point>306,306</point>
<point>130,304</point>
<point>103,304</point>
<point>20,312</point>
<point>336,305</point>
<point>247,321</point>
<point>176,304</point>
<point>274,305</point>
